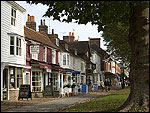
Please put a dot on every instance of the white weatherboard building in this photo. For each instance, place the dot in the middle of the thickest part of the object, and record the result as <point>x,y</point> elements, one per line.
<point>13,47</point>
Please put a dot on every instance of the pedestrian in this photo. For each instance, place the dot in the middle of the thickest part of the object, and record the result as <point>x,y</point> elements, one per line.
<point>102,85</point>
<point>106,85</point>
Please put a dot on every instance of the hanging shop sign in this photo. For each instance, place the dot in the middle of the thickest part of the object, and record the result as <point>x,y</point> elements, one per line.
<point>34,49</point>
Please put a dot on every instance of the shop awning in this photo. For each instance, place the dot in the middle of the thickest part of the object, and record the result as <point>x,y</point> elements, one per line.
<point>58,68</point>
<point>69,70</point>
<point>76,72</point>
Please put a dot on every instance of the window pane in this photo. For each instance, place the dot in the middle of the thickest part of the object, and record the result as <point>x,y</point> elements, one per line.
<point>12,50</point>
<point>11,21</point>
<point>16,50</point>
<point>19,51</point>
<point>11,12</point>
<point>11,40</point>
<point>14,13</point>
<point>17,43</point>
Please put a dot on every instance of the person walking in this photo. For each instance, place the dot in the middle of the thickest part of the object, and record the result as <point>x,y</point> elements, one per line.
<point>102,85</point>
<point>106,85</point>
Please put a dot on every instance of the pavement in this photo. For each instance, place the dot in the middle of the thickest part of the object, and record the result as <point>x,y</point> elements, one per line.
<point>56,105</point>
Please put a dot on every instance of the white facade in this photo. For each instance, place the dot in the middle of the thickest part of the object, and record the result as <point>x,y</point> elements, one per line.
<point>96,59</point>
<point>13,45</point>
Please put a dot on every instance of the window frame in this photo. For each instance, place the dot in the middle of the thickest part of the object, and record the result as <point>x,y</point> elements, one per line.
<point>13,16</point>
<point>18,46</point>
<point>37,81</point>
<point>12,45</point>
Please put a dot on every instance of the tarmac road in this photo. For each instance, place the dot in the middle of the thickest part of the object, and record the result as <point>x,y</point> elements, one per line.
<point>58,104</point>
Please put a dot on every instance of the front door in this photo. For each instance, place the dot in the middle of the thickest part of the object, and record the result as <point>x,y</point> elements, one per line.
<point>5,84</point>
<point>44,83</point>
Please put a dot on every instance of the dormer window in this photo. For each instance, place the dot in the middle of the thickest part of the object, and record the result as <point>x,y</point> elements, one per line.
<point>13,17</point>
<point>57,42</point>
<point>66,46</point>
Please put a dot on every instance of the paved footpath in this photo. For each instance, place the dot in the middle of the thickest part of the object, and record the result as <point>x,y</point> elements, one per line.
<point>56,105</point>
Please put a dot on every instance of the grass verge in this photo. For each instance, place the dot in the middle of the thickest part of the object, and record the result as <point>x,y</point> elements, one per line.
<point>107,103</point>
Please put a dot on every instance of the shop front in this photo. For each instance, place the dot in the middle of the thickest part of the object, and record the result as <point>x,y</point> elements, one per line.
<point>12,78</point>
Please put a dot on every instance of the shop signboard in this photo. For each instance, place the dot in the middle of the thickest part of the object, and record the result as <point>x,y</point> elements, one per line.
<point>34,49</point>
<point>24,92</point>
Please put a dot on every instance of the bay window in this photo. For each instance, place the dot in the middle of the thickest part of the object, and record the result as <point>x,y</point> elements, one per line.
<point>15,45</point>
<point>18,46</point>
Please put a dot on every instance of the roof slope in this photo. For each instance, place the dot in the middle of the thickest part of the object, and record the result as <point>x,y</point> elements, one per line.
<point>36,36</point>
<point>81,46</point>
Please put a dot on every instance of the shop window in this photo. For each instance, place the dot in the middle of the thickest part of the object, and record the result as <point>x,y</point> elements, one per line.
<point>12,45</point>
<point>19,77</point>
<point>36,81</point>
<point>12,77</point>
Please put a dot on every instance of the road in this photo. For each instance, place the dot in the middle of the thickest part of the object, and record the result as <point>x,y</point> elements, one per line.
<point>58,104</point>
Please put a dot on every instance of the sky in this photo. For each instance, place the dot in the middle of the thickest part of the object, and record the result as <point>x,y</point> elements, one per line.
<point>81,31</point>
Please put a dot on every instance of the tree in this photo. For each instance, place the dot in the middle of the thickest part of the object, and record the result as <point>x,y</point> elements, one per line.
<point>131,15</point>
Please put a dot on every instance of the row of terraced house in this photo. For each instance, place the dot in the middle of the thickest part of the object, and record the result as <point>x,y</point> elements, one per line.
<point>40,59</point>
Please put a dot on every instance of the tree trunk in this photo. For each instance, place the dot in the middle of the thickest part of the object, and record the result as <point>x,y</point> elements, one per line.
<point>139,68</point>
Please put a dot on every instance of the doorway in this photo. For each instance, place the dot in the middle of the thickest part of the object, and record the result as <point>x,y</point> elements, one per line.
<point>5,84</point>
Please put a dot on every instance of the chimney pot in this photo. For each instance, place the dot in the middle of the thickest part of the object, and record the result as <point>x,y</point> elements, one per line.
<point>52,31</point>
<point>72,33</point>
<point>41,22</point>
<point>28,18</point>
<point>44,21</point>
<point>32,18</point>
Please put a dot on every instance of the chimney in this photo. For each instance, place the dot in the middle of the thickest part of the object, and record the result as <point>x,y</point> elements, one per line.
<point>31,23</point>
<point>43,28</point>
<point>95,41</point>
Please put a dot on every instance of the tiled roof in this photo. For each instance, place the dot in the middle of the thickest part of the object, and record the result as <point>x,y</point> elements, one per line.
<point>81,46</point>
<point>36,36</point>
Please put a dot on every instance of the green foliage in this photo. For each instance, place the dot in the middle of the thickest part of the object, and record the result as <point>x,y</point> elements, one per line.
<point>108,103</point>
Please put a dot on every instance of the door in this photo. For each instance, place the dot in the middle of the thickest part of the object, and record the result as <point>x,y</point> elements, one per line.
<point>5,84</point>
<point>44,83</point>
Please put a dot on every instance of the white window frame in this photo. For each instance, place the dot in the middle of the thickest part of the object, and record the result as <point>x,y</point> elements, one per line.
<point>18,47</point>
<point>12,45</point>
<point>64,59</point>
<point>13,16</point>
<point>15,46</point>
<point>40,81</point>
<point>45,54</point>
<point>35,56</point>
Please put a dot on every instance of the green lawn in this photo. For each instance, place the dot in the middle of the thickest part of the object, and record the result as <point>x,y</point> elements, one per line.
<point>107,103</point>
